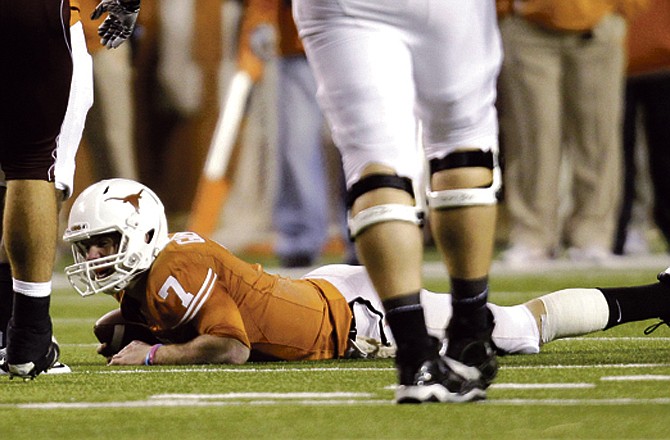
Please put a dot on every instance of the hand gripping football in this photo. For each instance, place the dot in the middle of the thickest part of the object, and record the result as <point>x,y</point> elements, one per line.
<point>112,329</point>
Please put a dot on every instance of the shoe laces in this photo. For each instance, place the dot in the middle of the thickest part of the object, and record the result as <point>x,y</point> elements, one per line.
<point>652,328</point>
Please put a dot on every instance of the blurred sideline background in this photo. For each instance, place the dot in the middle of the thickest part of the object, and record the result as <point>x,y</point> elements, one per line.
<point>183,57</point>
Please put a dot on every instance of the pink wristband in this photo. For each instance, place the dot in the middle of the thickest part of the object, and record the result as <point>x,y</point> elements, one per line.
<point>149,360</point>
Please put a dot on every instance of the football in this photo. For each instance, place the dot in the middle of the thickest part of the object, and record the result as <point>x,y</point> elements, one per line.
<point>116,332</point>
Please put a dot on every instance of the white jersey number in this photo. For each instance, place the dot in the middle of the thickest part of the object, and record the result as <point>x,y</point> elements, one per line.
<point>173,283</point>
<point>187,237</point>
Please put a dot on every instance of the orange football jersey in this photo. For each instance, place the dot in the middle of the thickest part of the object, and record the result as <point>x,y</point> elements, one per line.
<point>196,286</point>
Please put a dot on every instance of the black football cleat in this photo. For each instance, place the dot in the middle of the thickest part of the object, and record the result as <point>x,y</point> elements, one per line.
<point>435,381</point>
<point>429,378</point>
<point>664,278</point>
<point>474,369</point>
<point>30,370</point>
<point>56,368</point>
<point>471,355</point>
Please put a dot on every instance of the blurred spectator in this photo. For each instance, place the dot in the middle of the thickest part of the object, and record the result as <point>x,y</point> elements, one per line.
<point>561,89</point>
<point>648,109</point>
<point>110,126</point>
<point>178,70</point>
<point>301,206</point>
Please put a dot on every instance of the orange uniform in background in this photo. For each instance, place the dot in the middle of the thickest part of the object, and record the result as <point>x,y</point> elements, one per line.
<point>255,12</point>
<point>649,39</point>
<point>276,13</point>
<point>569,15</point>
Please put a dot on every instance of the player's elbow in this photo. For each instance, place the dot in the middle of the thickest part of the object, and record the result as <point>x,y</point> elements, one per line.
<point>219,350</point>
<point>237,355</point>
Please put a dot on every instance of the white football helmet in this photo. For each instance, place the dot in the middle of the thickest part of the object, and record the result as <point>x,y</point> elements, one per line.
<point>115,205</point>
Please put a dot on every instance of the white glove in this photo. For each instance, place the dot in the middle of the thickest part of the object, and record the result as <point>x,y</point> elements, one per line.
<point>119,24</point>
<point>369,348</point>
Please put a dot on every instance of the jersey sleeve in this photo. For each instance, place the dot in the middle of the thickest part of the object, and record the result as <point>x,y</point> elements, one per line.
<point>185,296</point>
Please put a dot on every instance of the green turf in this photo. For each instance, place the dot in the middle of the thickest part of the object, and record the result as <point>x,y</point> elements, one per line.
<point>609,385</point>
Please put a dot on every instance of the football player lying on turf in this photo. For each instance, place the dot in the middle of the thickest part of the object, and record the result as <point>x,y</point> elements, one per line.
<point>202,304</point>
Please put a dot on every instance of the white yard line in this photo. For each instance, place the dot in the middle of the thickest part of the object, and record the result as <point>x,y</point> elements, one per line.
<point>541,386</point>
<point>154,403</point>
<point>576,402</point>
<point>268,395</point>
<point>349,398</point>
<point>636,378</point>
<point>162,370</point>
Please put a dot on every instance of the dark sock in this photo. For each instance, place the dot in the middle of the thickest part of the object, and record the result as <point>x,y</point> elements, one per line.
<point>469,301</point>
<point>6,301</point>
<point>31,312</point>
<point>29,328</point>
<point>408,325</point>
<point>628,304</point>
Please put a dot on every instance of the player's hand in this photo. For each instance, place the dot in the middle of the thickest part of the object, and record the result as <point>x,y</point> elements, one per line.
<point>263,41</point>
<point>101,349</point>
<point>132,354</point>
<point>120,22</point>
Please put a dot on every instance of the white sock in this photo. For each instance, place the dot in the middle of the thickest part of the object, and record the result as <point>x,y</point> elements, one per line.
<point>34,290</point>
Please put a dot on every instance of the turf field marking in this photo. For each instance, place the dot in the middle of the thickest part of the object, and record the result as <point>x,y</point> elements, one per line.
<point>268,395</point>
<point>576,402</point>
<point>194,403</point>
<point>241,370</point>
<point>641,377</point>
<point>567,367</point>
<point>530,386</point>
<point>615,339</point>
<point>160,370</point>
<point>63,321</point>
<point>154,403</point>
<point>541,386</point>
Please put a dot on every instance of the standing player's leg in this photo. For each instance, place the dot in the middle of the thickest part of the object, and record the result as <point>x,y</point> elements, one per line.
<point>364,69</point>
<point>80,100</point>
<point>456,104</point>
<point>40,79</point>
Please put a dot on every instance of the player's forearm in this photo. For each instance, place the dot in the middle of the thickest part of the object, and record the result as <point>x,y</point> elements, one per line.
<point>204,349</point>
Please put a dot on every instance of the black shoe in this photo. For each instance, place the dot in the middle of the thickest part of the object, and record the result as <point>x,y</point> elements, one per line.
<point>476,367</point>
<point>424,376</point>
<point>57,368</point>
<point>435,381</point>
<point>30,370</point>
<point>471,354</point>
<point>4,369</point>
<point>664,278</point>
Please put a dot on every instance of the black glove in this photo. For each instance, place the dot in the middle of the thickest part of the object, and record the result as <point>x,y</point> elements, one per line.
<point>119,24</point>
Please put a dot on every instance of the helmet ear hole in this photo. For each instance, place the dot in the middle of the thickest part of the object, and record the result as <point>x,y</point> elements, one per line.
<point>150,235</point>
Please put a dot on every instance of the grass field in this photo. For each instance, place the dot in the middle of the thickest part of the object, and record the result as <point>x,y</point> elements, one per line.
<point>608,385</point>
